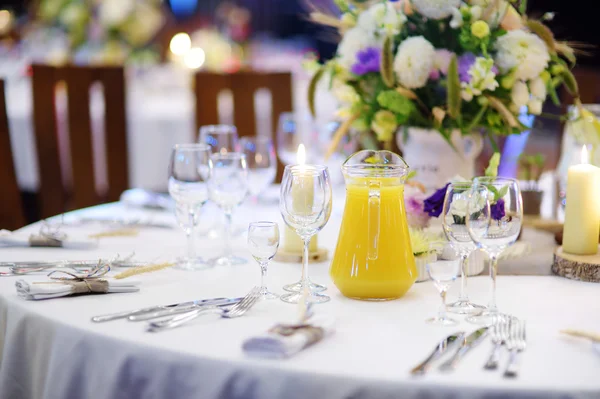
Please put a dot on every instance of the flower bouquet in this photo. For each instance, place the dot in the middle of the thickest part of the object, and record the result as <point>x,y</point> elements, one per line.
<point>456,67</point>
<point>101,31</point>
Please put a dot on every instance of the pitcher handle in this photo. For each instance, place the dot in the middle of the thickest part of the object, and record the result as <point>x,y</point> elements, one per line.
<point>374,219</point>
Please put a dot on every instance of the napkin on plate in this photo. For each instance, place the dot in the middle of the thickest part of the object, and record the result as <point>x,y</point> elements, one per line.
<point>58,288</point>
<point>285,340</point>
<point>10,239</point>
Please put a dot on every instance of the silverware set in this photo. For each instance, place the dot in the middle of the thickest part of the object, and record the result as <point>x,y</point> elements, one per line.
<point>177,314</point>
<point>506,331</point>
<point>83,266</point>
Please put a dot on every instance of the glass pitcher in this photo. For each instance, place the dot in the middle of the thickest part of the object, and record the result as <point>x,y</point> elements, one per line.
<point>373,259</point>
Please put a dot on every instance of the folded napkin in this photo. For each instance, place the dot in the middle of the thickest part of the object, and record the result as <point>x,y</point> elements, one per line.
<point>10,239</point>
<point>285,340</point>
<point>58,288</point>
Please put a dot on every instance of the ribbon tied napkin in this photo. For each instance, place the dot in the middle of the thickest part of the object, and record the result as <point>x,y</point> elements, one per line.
<point>285,340</point>
<point>73,284</point>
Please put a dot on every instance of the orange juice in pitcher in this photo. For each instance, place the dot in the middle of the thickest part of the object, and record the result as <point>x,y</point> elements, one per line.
<point>373,259</point>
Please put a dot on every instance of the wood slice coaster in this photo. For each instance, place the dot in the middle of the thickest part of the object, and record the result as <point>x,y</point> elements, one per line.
<point>320,255</point>
<point>576,267</point>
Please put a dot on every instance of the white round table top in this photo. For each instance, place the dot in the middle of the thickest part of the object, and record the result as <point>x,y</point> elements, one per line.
<point>51,348</point>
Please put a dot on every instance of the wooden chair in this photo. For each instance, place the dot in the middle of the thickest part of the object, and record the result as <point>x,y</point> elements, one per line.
<point>11,207</point>
<point>78,81</point>
<point>243,85</point>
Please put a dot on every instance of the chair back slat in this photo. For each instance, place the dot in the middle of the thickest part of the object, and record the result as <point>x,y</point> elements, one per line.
<point>11,207</point>
<point>243,86</point>
<point>78,81</point>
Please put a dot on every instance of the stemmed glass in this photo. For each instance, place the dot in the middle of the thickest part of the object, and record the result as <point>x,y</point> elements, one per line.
<point>221,138</point>
<point>228,187</point>
<point>263,240</point>
<point>189,173</point>
<point>454,224</point>
<point>305,204</point>
<point>262,163</point>
<point>494,218</point>
<point>443,273</point>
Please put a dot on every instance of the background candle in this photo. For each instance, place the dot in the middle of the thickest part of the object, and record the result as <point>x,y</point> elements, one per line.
<point>582,212</point>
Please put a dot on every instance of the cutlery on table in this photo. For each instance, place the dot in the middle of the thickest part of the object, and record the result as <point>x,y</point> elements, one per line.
<point>499,335</point>
<point>237,310</point>
<point>467,344</point>
<point>22,268</point>
<point>153,309</point>
<point>175,310</point>
<point>516,343</point>
<point>442,347</point>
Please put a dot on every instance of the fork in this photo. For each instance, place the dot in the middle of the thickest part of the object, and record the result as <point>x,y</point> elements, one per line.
<point>499,334</point>
<point>516,343</point>
<point>237,310</point>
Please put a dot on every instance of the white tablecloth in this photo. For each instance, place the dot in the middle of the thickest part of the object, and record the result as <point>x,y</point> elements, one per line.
<point>50,349</point>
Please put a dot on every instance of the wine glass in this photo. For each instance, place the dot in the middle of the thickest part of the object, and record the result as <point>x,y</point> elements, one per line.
<point>228,187</point>
<point>293,130</point>
<point>494,218</point>
<point>189,173</point>
<point>263,240</point>
<point>221,138</point>
<point>305,204</point>
<point>262,163</point>
<point>455,229</point>
<point>443,273</point>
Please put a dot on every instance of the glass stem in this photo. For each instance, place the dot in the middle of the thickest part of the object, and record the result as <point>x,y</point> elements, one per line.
<point>263,275</point>
<point>442,312</point>
<point>228,224</point>
<point>191,251</point>
<point>463,278</point>
<point>493,271</point>
<point>305,281</point>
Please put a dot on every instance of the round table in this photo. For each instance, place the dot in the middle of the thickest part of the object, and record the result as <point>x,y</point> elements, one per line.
<point>51,349</point>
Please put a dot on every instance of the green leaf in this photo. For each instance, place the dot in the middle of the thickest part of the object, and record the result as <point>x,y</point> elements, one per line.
<point>493,143</point>
<point>543,33</point>
<point>552,92</point>
<point>501,193</point>
<point>523,7</point>
<point>395,102</point>
<point>454,98</point>
<point>387,62</point>
<point>477,119</point>
<point>570,83</point>
<point>312,88</point>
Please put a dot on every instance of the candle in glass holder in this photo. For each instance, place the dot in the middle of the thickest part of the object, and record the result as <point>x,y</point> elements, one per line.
<point>582,211</point>
<point>302,194</point>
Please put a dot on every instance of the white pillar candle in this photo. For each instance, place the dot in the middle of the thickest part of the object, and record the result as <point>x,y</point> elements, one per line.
<point>582,211</point>
<point>302,195</point>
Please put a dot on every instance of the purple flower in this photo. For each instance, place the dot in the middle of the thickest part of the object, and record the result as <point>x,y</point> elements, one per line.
<point>435,203</point>
<point>465,62</point>
<point>367,60</point>
<point>497,210</point>
<point>415,213</point>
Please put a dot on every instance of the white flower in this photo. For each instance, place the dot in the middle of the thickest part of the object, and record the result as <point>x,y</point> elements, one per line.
<point>382,18</point>
<point>414,62</point>
<point>457,19</point>
<point>435,9</point>
<point>538,88</point>
<point>519,94</point>
<point>459,207</point>
<point>115,12</point>
<point>345,93</point>
<point>482,78</point>
<point>535,106</point>
<point>476,12</point>
<point>355,40</point>
<point>525,52</point>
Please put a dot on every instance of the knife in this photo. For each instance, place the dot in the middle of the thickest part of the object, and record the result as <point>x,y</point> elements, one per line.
<point>179,309</point>
<point>202,302</point>
<point>469,342</point>
<point>442,347</point>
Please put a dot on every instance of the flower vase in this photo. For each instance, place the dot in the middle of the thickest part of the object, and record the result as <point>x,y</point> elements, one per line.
<point>433,158</point>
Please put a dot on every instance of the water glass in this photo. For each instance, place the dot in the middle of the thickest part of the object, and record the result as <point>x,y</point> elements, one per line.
<point>228,187</point>
<point>305,204</point>
<point>455,229</point>
<point>189,173</point>
<point>221,138</point>
<point>263,242</point>
<point>494,219</point>
<point>261,161</point>
<point>443,273</point>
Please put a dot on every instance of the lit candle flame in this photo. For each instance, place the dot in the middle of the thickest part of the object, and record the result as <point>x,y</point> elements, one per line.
<point>301,155</point>
<point>585,159</point>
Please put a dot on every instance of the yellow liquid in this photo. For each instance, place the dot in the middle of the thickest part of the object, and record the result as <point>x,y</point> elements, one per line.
<point>353,270</point>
